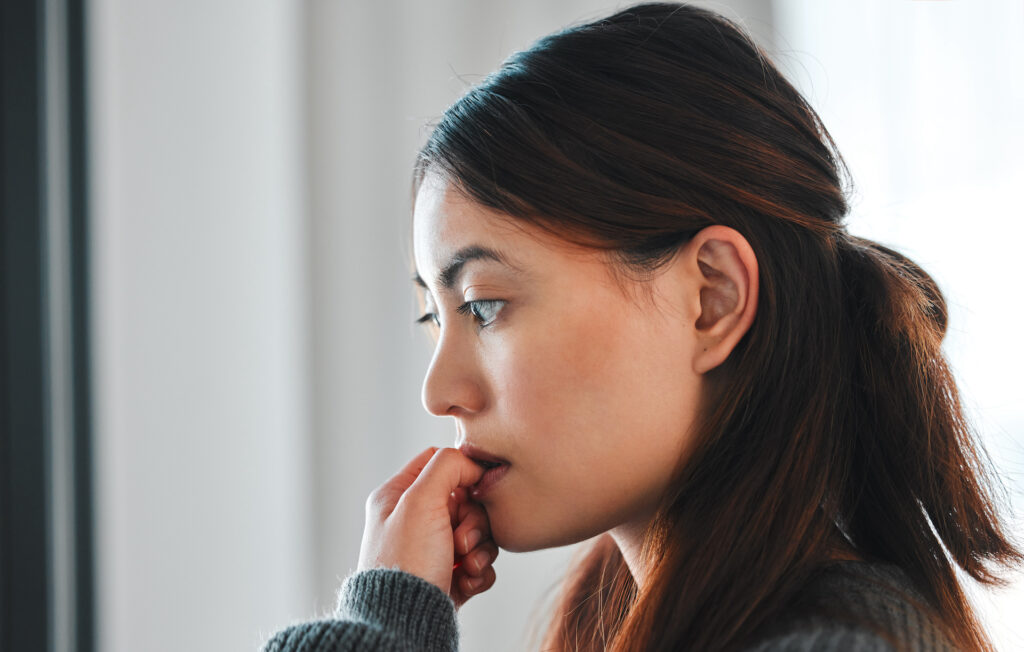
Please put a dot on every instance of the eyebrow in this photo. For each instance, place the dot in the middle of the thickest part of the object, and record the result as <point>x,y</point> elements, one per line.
<point>450,273</point>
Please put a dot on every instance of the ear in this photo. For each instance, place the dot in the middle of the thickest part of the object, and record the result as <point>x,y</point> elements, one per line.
<point>726,281</point>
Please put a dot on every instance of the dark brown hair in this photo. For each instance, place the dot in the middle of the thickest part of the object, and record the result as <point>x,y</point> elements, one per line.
<point>836,411</point>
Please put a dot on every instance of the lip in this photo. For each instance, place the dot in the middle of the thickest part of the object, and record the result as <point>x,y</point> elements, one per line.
<point>476,453</point>
<point>491,476</point>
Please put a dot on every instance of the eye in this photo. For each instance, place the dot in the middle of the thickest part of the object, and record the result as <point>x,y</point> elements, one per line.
<point>484,311</point>
<point>430,316</point>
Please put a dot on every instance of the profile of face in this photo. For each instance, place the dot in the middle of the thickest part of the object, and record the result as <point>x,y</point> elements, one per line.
<point>588,391</point>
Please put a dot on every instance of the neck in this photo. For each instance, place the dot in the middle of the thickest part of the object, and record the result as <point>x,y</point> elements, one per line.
<point>629,538</point>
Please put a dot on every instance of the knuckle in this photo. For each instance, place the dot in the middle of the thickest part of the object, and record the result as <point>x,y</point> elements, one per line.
<point>372,500</point>
<point>447,454</point>
<point>376,501</point>
<point>479,519</point>
<point>412,500</point>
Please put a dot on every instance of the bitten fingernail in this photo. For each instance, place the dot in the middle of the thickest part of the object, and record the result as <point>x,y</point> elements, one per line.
<point>474,582</point>
<point>472,539</point>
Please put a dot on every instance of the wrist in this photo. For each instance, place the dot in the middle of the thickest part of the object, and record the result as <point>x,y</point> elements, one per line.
<point>399,601</point>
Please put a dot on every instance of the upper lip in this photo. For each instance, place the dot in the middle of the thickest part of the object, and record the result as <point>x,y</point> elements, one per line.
<point>480,455</point>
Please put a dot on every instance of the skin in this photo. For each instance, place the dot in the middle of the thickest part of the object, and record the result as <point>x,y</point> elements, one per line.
<point>589,387</point>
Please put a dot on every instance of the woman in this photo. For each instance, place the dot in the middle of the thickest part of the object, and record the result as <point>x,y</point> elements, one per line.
<point>653,328</point>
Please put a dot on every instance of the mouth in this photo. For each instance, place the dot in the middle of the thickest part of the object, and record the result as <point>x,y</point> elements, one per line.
<point>495,468</point>
<point>485,460</point>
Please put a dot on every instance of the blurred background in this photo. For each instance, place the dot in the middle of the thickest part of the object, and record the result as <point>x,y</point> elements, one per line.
<point>254,370</point>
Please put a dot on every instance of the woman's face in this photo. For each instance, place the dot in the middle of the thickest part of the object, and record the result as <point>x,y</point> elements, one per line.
<point>588,393</point>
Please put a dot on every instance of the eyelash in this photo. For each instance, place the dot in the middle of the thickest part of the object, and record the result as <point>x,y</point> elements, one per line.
<point>464,309</point>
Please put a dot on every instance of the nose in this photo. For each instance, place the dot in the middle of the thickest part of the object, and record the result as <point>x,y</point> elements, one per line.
<point>453,384</point>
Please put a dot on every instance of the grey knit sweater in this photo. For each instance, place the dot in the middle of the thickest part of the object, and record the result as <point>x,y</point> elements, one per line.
<point>390,610</point>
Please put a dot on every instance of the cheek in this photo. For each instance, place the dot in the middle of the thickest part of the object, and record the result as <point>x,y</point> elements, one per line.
<point>599,407</point>
<point>582,405</point>
<point>561,373</point>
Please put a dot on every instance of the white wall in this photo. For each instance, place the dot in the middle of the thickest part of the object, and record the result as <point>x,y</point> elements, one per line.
<point>202,456</point>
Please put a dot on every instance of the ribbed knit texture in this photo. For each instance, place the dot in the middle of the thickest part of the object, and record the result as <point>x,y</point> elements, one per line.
<point>870,592</point>
<point>380,609</point>
<point>390,610</point>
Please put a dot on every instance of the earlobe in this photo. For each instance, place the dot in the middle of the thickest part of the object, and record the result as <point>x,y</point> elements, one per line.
<point>728,284</point>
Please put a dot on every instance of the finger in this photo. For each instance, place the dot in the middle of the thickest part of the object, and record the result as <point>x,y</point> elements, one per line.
<point>396,485</point>
<point>458,498</point>
<point>447,470</point>
<point>470,586</point>
<point>473,527</point>
<point>467,506</point>
<point>480,559</point>
<point>404,478</point>
<point>457,594</point>
<point>453,510</point>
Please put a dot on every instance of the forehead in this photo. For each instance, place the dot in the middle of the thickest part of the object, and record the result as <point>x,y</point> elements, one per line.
<point>444,221</point>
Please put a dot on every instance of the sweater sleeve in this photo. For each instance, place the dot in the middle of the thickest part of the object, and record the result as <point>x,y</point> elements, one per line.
<point>380,609</point>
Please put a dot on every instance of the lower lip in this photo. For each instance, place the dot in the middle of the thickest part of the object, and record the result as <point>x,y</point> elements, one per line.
<point>490,478</point>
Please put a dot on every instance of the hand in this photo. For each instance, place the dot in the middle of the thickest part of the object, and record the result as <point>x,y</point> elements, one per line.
<point>419,518</point>
<point>476,553</point>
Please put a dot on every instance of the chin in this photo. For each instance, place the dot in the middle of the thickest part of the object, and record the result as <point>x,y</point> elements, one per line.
<point>509,537</point>
<point>517,538</point>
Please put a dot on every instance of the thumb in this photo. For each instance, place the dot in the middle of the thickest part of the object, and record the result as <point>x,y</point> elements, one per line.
<point>447,470</point>
<point>387,494</point>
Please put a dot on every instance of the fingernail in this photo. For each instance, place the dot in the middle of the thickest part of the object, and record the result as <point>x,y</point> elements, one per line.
<point>481,559</point>
<point>473,538</point>
<point>474,582</point>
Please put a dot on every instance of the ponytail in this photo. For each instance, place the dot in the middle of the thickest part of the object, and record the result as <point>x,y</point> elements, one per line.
<point>922,489</point>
